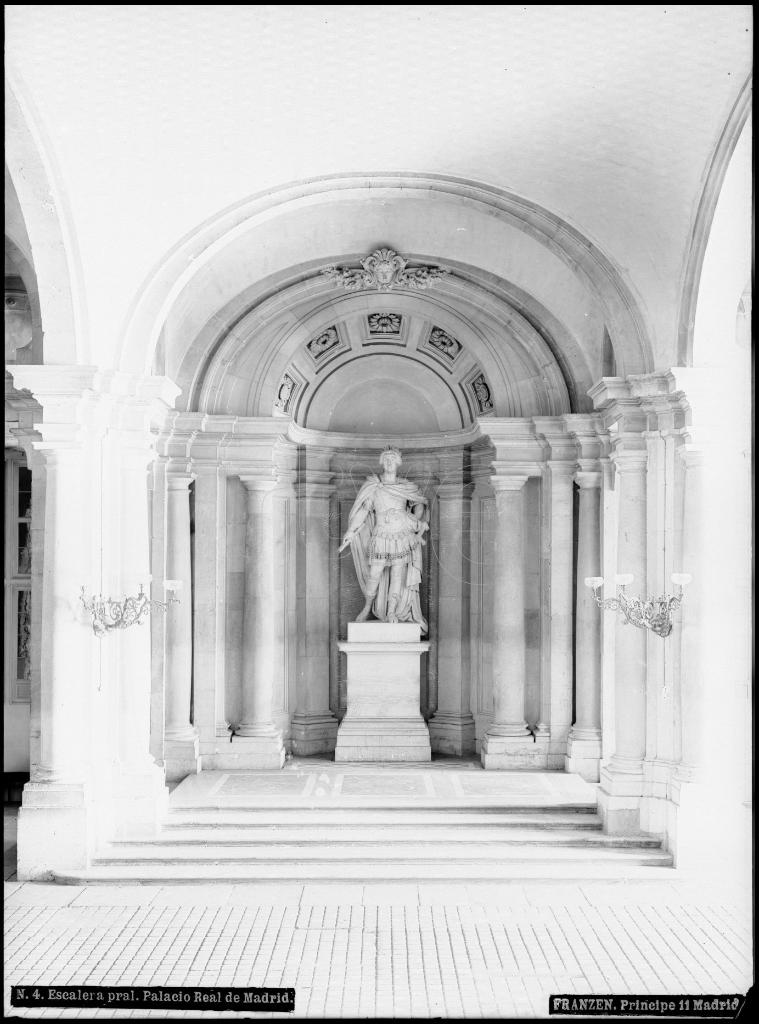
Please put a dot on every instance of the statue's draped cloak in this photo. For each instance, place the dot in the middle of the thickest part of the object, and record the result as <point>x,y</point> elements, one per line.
<point>408,608</point>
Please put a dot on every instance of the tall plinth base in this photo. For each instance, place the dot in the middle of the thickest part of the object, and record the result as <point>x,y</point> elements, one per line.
<point>382,721</point>
<point>619,795</point>
<point>507,753</point>
<point>584,754</point>
<point>54,830</point>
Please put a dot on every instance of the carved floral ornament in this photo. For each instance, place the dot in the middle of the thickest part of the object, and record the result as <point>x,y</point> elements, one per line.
<point>384,323</point>
<point>384,269</point>
<point>323,342</point>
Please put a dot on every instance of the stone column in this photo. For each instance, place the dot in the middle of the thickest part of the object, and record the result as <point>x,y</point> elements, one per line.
<point>584,744</point>
<point>621,780</point>
<point>208,600</point>
<point>452,726</point>
<point>55,820</point>
<point>139,793</point>
<point>181,747</point>
<point>314,727</point>
<point>508,742</point>
<point>691,654</point>
<point>552,730</point>
<point>262,740</point>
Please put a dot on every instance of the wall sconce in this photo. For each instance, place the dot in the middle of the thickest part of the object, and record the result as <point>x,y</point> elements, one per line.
<point>108,614</point>
<point>654,613</point>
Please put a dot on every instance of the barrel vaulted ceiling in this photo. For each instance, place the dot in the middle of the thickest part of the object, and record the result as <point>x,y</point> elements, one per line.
<point>154,118</point>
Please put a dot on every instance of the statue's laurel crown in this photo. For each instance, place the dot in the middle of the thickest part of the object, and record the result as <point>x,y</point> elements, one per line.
<point>389,450</point>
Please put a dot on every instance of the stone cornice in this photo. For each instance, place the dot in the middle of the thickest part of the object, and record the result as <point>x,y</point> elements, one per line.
<point>416,442</point>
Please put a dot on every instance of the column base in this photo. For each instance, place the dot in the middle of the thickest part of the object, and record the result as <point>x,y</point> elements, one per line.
<point>313,734</point>
<point>620,794</point>
<point>583,755</point>
<point>141,801</point>
<point>383,739</point>
<point>513,752</point>
<point>452,733</point>
<point>54,830</point>
<point>265,749</point>
<point>181,758</point>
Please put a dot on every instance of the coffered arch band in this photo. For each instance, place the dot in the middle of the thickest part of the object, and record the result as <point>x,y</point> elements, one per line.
<point>256,244</point>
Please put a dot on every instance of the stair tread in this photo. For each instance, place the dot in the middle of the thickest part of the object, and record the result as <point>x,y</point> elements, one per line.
<point>332,854</point>
<point>361,872</point>
<point>368,837</point>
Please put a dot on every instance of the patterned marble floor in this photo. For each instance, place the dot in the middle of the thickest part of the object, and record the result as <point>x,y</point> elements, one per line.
<point>315,783</point>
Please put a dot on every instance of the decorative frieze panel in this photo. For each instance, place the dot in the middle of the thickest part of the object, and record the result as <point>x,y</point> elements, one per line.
<point>324,346</point>
<point>384,324</point>
<point>442,346</point>
<point>479,393</point>
<point>288,391</point>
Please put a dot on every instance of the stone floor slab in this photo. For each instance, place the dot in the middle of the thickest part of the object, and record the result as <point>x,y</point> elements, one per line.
<point>332,894</point>
<point>46,894</point>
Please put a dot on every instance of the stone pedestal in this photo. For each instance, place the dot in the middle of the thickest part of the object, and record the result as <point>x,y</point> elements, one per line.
<point>383,721</point>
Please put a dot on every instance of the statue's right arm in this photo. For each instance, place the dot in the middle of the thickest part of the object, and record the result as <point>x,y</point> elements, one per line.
<point>354,525</point>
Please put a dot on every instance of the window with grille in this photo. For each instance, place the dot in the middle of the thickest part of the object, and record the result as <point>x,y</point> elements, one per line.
<point>18,579</point>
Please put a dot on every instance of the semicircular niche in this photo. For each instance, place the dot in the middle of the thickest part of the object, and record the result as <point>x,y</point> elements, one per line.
<point>382,393</point>
<point>383,372</point>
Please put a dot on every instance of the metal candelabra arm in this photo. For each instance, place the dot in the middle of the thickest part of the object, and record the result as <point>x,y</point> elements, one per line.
<point>654,613</point>
<point>108,614</point>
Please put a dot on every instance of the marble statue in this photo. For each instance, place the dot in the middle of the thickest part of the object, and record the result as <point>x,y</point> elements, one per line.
<point>386,534</point>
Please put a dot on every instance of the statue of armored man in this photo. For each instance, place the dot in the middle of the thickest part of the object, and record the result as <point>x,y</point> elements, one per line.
<point>386,535</point>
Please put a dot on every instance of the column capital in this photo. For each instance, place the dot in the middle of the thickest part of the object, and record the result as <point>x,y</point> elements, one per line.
<point>587,479</point>
<point>315,483</point>
<point>502,482</point>
<point>50,382</point>
<point>178,481</point>
<point>453,491</point>
<point>561,469</point>
<point>257,484</point>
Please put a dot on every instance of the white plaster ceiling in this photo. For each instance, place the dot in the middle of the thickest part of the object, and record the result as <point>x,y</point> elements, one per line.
<point>159,116</point>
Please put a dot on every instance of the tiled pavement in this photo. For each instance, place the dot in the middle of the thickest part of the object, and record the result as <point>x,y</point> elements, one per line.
<point>382,950</point>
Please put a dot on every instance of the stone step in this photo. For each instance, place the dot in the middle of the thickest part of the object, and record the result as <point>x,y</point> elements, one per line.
<point>549,816</point>
<point>469,852</point>
<point>341,824</point>
<point>261,836</point>
<point>386,832</point>
<point>361,871</point>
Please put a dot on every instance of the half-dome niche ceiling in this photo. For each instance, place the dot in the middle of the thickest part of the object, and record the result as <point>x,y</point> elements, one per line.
<point>456,349</point>
<point>381,370</point>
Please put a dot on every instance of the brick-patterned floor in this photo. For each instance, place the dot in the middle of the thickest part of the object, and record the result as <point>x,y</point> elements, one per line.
<point>382,950</point>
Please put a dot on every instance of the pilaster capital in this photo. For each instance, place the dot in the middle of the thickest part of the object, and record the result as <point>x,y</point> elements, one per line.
<point>691,455</point>
<point>588,479</point>
<point>63,392</point>
<point>514,439</point>
<point>553,433</point>
<point>630,460</point>
<point>588,433</point>
<point>178,479</point>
